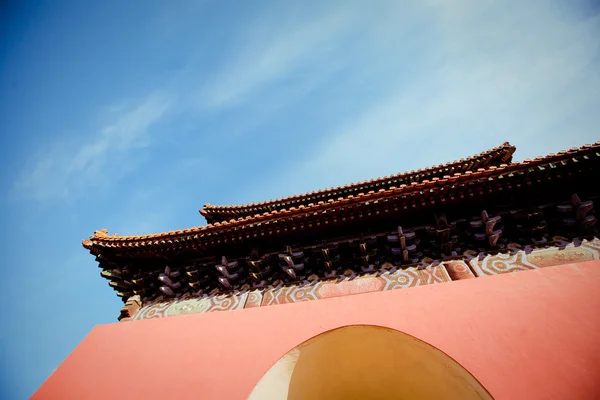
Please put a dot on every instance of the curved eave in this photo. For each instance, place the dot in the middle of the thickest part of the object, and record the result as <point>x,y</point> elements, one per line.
<point>500,154</point>
<point>206,214</point>
<point>218,229</point>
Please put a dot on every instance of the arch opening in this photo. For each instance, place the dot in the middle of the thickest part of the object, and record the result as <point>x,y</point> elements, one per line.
<point>367,362</point>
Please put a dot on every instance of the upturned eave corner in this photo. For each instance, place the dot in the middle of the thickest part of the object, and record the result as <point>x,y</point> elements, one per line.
<point>453,214</point>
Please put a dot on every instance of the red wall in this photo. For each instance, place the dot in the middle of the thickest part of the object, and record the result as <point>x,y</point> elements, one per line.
<point>527,335</point>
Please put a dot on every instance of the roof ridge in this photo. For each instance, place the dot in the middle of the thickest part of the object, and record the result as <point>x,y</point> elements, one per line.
<point>208,207</point>
<point>102,235</point>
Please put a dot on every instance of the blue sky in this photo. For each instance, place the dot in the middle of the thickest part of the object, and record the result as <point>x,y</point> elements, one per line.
<point>131,115</point>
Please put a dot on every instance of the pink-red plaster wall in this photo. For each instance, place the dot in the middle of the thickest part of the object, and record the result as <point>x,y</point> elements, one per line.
<point>526,335</point>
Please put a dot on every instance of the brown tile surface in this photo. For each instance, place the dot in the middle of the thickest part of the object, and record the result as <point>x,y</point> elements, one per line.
<point>504,151</point>
<point>104,239</point>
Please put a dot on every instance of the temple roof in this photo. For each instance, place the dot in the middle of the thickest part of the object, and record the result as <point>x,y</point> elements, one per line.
<point>466,181</point>
<point>471,207</point>
<point>493,157</point>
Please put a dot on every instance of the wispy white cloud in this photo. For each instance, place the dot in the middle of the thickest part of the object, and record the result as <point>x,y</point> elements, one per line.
<point>456,77</point>
<point>264,57</point>
<point>74,164</point>
<point>524,73</point>
<point>391,85</point>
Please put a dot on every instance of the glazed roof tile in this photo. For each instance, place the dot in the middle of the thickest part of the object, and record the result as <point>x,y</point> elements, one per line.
<point>101,238</point>
<point>502,153</point>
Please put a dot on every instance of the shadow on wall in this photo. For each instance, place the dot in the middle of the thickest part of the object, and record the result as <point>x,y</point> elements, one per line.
<point>366,362</point>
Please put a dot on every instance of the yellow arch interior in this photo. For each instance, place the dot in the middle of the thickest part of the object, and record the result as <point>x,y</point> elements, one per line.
<point>366,362</point>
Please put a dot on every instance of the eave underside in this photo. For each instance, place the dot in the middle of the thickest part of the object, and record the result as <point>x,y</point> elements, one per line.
<point>542,202</point>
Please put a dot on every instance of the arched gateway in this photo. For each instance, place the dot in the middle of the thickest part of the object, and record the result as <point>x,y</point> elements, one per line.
<point>367,362</point>
<point>408,251</point>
